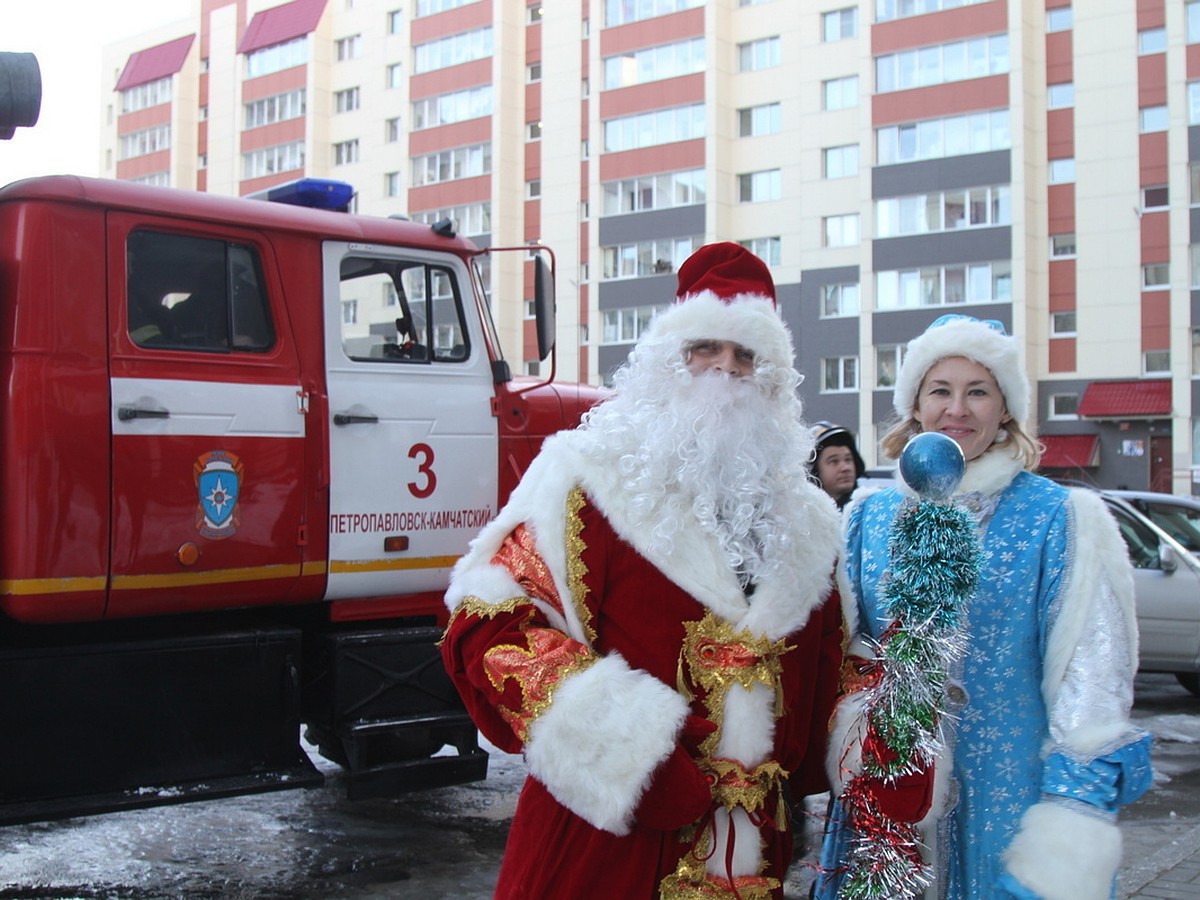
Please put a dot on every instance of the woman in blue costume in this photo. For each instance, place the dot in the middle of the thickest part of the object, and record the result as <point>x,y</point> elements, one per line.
<point>1034,751</point>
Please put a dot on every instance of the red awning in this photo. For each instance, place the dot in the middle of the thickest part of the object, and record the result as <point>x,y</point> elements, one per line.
<point>281,23</point>
<point>158,62</point>
<point>1070,451</point>
<point>1126,399</point>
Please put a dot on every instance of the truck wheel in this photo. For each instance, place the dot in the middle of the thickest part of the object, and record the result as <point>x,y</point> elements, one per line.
<point>1189,680</point>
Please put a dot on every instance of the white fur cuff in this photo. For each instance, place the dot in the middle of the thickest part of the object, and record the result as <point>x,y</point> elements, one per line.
<point>1062,854</point>
<point>597,746</point>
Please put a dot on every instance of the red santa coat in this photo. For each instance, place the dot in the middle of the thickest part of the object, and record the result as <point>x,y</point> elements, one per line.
<point>573,642</point>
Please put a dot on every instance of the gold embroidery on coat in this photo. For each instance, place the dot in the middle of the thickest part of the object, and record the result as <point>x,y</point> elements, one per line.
<point>538,669</point>
<point>520,556</point>
<point>576,568</point>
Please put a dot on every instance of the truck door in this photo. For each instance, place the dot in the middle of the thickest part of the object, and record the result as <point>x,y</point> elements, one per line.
<point>208,421</point>
<point>413,442</point>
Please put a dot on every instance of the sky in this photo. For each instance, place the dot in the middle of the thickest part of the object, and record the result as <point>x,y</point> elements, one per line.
<point>66,36</point>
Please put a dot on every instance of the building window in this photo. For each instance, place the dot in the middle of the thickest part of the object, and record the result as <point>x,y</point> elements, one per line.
<point>272,160</point>
<point>621,12</point>
<point>1060,18</point>
<point>395,21</point>
<point>345,152</point>
<point>886,10</point>
<point>1062,171</point>
<point>533,189</point>
<point>277,57</point>
<point>1152,40</point>
<point>146,141</point>
<point>276,108</point>
<point>654,63</point>
<point>767,249</point>
<point>346,101</point>
<point>888,358</point>
<point>983,207</point>
<point>760,187</point>
<point>1155,197</point>
<point>942,63</point>
<point>840,162</point>
<point>473,218</point>
<point>533,14</point>
<point>1196,356</point>
<point>625,326</point>
<point>457,106</point>
<point>1193,25</point>
<point>756,55</point>
<point>349,312</point>
<point>985,282</point>
<point>395,75</point>
<point>391,184</point>
<point>661,191</point>
<point>839,24</point>
<point>1154,118</point>
<point>839,374</point>
<point>1063,406</point>
<point>758,120</point>
<point>938,138</point>
<point>1156,277</point>
<point>1061,95</point>
<point>391,130</point>
<point>840,93</point>
<point>143,96</point>
<point>533,73</point>
<point>840,231</point>
<point>839,300</point>
<point>1194,183</point>
<point>1156,362</point>
<point>1062,246</point>
<point>1194,265</point>
<point>654,257</point>
<point>1062,324</point>
<point>348,47</point>
<point>650,129</point>
<point>533,131</point>
<point>453,50</point>
<point>450,165</point>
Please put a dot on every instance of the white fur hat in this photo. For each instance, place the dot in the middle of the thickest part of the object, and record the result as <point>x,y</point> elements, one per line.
<point>726,293</point>
<point>982,340</point>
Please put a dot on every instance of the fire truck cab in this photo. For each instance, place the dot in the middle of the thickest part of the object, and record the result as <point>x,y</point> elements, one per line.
<point>243,443</point>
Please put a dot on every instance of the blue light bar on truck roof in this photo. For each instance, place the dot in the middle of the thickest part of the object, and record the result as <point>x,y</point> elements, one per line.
<point>315,193</point>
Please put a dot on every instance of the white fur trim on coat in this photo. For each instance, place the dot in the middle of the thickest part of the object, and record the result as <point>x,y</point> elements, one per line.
<point>597,746</point>
<point>1061,854</point>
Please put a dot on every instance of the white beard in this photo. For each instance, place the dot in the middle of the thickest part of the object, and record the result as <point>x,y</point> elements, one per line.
<point>707,451</point>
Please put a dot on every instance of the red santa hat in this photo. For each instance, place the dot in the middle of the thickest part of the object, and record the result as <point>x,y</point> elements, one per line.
<point>726,293</point>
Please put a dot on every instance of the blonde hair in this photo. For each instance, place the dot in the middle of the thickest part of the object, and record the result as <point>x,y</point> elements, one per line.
<point>1022,446</point>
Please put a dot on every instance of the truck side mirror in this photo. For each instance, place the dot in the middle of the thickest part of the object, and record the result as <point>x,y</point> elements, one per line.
<point>543,306</point>
<point>20,92</point>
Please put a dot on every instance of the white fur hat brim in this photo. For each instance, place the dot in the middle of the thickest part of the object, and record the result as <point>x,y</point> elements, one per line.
<point>970,338</point>
<point>747,319</point>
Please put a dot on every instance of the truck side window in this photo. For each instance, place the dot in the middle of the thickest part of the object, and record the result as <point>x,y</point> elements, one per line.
<point>401,311</point>
<point>193,293</point>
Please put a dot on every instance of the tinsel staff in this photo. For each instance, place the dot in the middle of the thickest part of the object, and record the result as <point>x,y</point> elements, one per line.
<point>935,564</point>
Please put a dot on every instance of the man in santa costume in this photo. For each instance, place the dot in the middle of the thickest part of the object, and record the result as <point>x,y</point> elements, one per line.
<point>650,618</point>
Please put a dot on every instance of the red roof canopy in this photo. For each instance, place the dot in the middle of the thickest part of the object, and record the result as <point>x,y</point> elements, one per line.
<point>1126,399</point>
<point>1070,451</point>
<point>281,23</point>
<point>154,63</point>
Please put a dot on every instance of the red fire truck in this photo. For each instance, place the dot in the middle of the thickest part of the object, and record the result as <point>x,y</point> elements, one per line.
<point>243,444</point>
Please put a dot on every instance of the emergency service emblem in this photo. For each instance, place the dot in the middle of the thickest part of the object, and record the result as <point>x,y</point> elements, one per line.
<point>218,478</point>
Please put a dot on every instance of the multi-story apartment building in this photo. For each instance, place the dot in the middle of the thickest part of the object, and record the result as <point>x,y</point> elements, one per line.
<point>891,160</point>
